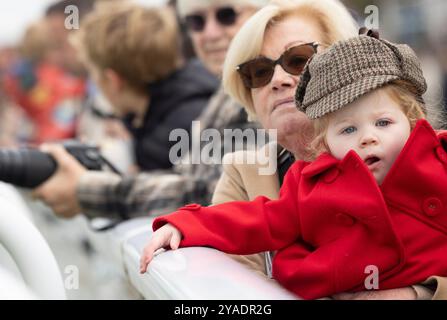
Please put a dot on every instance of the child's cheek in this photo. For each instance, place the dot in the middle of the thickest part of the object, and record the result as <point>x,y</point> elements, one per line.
<point>341,145</point>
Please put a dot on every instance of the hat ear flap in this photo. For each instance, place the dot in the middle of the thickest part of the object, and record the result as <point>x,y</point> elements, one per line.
<point>409,66</point>
<point>301,89</point>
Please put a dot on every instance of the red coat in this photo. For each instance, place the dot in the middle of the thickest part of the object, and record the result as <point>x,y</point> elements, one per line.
<point>332,221</point>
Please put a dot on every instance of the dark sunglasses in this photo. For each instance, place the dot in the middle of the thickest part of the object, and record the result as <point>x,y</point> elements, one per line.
<point>226,16</point>
<point>259,72</point>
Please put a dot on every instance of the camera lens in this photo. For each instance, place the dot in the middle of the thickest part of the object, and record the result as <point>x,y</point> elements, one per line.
<point>25,167</point>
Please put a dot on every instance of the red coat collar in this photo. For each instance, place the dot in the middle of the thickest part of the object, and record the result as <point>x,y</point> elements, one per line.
<point>423,137</point>
<point>324,162</point>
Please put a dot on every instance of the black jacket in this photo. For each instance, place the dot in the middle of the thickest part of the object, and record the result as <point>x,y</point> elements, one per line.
<point>174,103</point>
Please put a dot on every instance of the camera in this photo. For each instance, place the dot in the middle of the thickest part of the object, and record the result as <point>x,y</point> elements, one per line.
<point>29,167</point>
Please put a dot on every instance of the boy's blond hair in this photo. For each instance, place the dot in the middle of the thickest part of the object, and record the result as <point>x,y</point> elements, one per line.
<point>140,44</point>
<point>401,92</point>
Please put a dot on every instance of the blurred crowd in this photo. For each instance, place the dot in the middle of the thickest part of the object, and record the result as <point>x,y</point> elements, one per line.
<point>53,87</point>
<point>48,93</point>
<point>44,86</point>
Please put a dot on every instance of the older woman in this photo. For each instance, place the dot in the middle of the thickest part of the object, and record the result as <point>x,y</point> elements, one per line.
<point>286,27</point>
<point>262,72</point>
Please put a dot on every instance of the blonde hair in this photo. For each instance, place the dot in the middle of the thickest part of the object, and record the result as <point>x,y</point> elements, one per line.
<point>140,44</point>
<point>401,92</point>
<point>332,17</point>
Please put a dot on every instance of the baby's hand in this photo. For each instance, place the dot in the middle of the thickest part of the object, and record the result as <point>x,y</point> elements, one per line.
<point>166,235</point>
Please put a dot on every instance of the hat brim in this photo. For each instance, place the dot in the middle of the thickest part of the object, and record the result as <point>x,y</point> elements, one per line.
<point>347,94</point>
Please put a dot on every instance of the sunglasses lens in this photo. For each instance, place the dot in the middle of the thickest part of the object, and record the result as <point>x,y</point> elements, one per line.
<point>195,22</point>
<point>257,73</point>
<point>296,58</point>
<point>226,16</point>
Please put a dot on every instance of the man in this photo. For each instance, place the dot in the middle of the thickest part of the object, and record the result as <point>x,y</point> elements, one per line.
<point>72,189</point>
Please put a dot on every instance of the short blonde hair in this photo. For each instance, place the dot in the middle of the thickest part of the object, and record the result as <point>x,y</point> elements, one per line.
<point>334,20</point>
<point>401,92</point>
<point>140,44</point>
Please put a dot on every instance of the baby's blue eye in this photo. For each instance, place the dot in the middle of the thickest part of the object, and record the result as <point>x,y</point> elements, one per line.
<point>383,122</point>
<point>349,130</point>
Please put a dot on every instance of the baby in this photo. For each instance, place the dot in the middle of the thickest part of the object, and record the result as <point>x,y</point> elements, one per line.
<point>374,197</point>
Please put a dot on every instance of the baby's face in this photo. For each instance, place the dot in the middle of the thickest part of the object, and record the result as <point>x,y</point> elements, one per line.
<point>374,126</point>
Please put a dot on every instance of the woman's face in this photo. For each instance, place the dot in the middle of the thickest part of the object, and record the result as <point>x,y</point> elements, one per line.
<point>211,43</point>
<point>274,103</point>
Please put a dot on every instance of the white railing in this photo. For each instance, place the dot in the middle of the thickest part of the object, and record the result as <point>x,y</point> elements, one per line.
<point>187,273</point>
<point>28,249</point>
<point>13,289</point>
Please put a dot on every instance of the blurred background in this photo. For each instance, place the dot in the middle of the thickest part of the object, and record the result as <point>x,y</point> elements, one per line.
<point>52,102</point>
<point>419,23</point>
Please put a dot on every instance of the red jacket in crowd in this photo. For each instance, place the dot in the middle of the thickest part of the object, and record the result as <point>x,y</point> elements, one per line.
<point>332,221</point>
<point>52,103</point>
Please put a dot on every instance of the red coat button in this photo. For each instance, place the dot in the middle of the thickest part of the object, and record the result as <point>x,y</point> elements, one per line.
<point>331,175</point>
<point>344,219</point>
<point>191,207</point>
<point>441,154</point>
<point>432,206</point>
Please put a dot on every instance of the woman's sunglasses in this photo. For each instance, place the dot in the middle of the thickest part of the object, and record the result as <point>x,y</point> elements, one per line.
<point>259,72</point>
<point>226,16</point>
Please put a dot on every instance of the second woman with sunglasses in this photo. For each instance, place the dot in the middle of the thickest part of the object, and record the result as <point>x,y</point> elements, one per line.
<point>262,72</point>
<point>212,24</point>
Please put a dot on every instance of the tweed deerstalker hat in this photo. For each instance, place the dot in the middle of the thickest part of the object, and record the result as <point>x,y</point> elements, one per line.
<point>351,68</point>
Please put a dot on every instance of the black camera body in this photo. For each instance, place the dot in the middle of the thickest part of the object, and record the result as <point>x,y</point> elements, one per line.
<point>29,167</point>
<point>88,155</point>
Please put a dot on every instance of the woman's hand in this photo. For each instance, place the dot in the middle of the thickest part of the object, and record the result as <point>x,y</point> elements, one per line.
<point>59,191</point>
<point>166,235</point>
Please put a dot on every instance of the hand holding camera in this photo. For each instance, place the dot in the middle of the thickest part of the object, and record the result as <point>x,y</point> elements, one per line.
<point>28,167</point>
<point>59,192</point>
<point>56,170</point>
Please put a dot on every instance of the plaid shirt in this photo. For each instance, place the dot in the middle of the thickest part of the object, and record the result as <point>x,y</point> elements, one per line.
<point>104,194</point>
